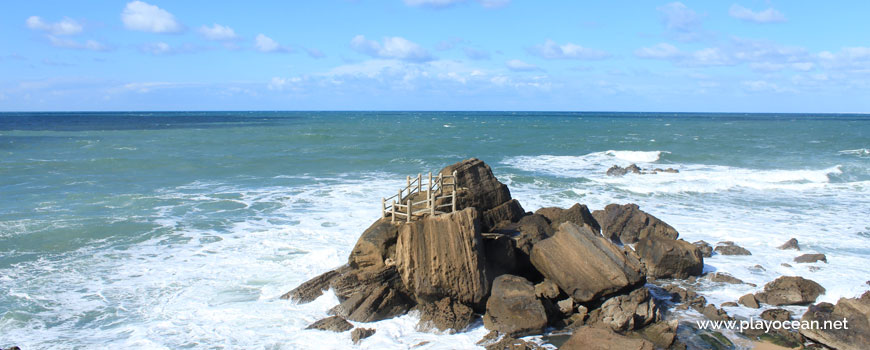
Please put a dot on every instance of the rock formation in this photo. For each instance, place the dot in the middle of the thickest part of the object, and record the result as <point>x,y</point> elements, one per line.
<point>851,313</point>
<point>790,290</point>
<point>628,224</point>
<point>513,308</point>
<point>669,258</point>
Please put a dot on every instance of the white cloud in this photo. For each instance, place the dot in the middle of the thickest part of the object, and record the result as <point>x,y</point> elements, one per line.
<point>392,47</point>
<point>520,66</point>
<point>141,16</point>
<point>767,16</point>
<point>550,49</point>
<point>855,59</point>
<point>681,22</point>
<point>218,32</point>
<point>659,51</point>
<point>157,48</point>
<point>264,43</point>
<point>91,45</point>
<point>66,26</point>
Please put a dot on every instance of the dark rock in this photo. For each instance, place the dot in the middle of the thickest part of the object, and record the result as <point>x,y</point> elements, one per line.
<point>725,278</point>
<point>671,170</point>
<point>314,288</point>
<point>477,186</point>
<point>633,168</point>
<point>668,258</point>
<point>584,264</point>
<point>628,224</point>
<point>791,244</point>
<point>811,258</point>
<point>616,170</point>
<point>784,265</point>
<point>578,214</point>
<point>529,230</point>
<point>510,211</point>
<point>501,257</point>
<point>547,289</point>
<point>368,296</point>
<point>513,309</point>
<point>776,315</point>
<point>375,245</point>
<point>332,323</point>
<point>729,248</point>
<point>443,256</point>
<point>628,312</point>
<point>662,334</point>
<point>445,315</point>
<point>790,290</point>
<point>749,301</point>
<point>359,334</point>
<point>758,268</point>
<point>594,338</point>
<point>713,313</point>
<point>855,312</point>
<point>705,248</point>
<point>813,268</point>
<point>729,304</point>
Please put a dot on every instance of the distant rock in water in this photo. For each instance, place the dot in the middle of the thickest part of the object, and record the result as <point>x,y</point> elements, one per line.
<point>358,334</point>
<point>811,258</point>
<point>332,323</point>
<point>617,170</point>
<point>729,248</point>
<point>791,244</point>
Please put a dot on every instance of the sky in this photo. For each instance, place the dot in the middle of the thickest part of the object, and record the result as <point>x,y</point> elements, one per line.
<point>658,56</point>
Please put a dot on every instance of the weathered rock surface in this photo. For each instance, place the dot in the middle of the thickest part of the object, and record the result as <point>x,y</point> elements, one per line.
<point>723,277</point>
<point>628,312</point>
<point>513,308</point>
<point>749,301</point>
<point>584,264</point>
<point>628,224</point>
<point>595,338</point>
<point>375,245</point>
<point>791,244</point>
<point>669,258</point>
<point>811,258</point>
<point>530,229</point>
<point>776,315</point>
<point>444,315</point>
<point>855,311</point>
<point>705,248</point>
<point>314,288</point>
<point>577,213</point>
<point>443,256</point>
<point>332,323</point>
<point>790,290</point>
<point>729,248</point>
<point>477,186</point>
<point>359,334</point>
<point>547,289</point>
<point>510,211</point>
<point>370,295</point>
<point>662,334</point>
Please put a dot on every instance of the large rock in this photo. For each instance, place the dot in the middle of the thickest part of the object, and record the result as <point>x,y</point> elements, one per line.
<point>369,296</point>
<point>510,211</point>
<point>790,290</point>
<point>668,258</point>
<point>628,224</point>
<point>314,288</point>
<point>705,248</point>
<point>443,256</point>
<point>513,308</point>
<point>855,312</point>
<point>375,245</point>
<point>445,315</point>
<point>577,213</point>
<point>629,312</point>
<point>586,265</point>
<point>477,186</point>
<point>811,258</point>
<point>594,338</point>
<point>749,301</point>
<point>530,229</point>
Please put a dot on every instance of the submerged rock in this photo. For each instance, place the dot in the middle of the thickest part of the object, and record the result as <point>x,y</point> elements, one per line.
<point>853,313</point>
<point>729,248</point>
<point>668,258</point>
<point>584,264</point>
<point>359,334</point>
<point>628,224</point>
<point>811,258</point>
<point>332,323</point>
<point>513,308</point>
<point>791,244</point>
<point>790,290</point>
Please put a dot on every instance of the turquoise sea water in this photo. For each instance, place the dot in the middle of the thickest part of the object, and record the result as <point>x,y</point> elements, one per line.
<point>180,230</point>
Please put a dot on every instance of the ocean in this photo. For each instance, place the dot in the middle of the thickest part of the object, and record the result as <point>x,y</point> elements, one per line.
<point>180,230</point>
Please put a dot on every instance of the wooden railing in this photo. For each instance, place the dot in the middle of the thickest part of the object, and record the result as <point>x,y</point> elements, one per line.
<point>438,189</point>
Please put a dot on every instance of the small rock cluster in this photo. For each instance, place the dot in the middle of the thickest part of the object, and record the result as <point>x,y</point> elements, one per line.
<point>617,170</point>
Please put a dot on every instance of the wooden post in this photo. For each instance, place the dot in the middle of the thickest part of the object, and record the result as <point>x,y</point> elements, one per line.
<point>419,182</point>
<point>399,196</point>
<point>440,183</point>
<point>453,208</point>
<point>409,184</point>
<point>454,180</point>
<point>383,207</point>
<point>409,211</point>
<point>393,209</point>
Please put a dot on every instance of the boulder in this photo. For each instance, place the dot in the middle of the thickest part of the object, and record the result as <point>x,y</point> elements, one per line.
<point>729,248</point>
<point>711,312</point>
<point>359,334</point>
<point>595,338</point>
<point>628,224</point>
<point>314,288</point>
<point>633,168</point>
<point>790,290</point>
<point>749,301</point>
<point>513,309</point>
<point>370,295</point>
<point>510,211</point>
<point>662,334</point>
<point>577,213</point>
<point>629,312</point>
<point>445,315</point>
<point>476,185</point>
<point>616,170</point>
<point>530,229</point>
<point>705,248</point>
<point>851,313</point>
<point>776,315</point>
<point>375,245</point>
<point>586,265</point>
<point>443,256</point>
<point>668,258</point>
<point>811,258</point>
<point>332,323</point>
<point>791,244</point>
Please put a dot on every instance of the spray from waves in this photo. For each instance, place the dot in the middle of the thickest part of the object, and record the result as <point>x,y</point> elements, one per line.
<point>692,178</point>
<point>861,152</point>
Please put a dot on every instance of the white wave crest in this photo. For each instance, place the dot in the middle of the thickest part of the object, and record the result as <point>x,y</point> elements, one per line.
<point>861,152</point>
<point>636,156</point>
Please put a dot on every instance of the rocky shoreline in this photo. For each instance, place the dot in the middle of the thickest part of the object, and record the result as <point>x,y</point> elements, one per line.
<point>605,279</point>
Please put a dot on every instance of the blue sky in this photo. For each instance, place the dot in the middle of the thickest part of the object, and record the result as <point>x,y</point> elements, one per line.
<point>744,56</point>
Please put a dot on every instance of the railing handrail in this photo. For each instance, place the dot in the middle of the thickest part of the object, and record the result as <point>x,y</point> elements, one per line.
<point>401,204</point>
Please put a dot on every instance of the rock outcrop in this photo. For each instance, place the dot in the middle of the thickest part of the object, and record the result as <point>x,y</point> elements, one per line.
<point>443,256</point>
<point>358,334</point>
<point>577,213</point>
<point>749,301</point>
<point>791,244</point>
<point>314,288</point>
<point>376,244</point>
<point>332,323</point>
<point>853,313</point>
<point>507,212</point>
<point>370,295</point>
<point>513,309</point>
<point>628,224</point>
<point>729,248</point>
<point>584,264</point>
<point>477,186</point>
<point>595,338</point>
<point>705,248</point>
<point>445,315</point>
<point>669,258</point>
<point>790,290</point>
<point>811,258</point>
<point>628,312</point>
